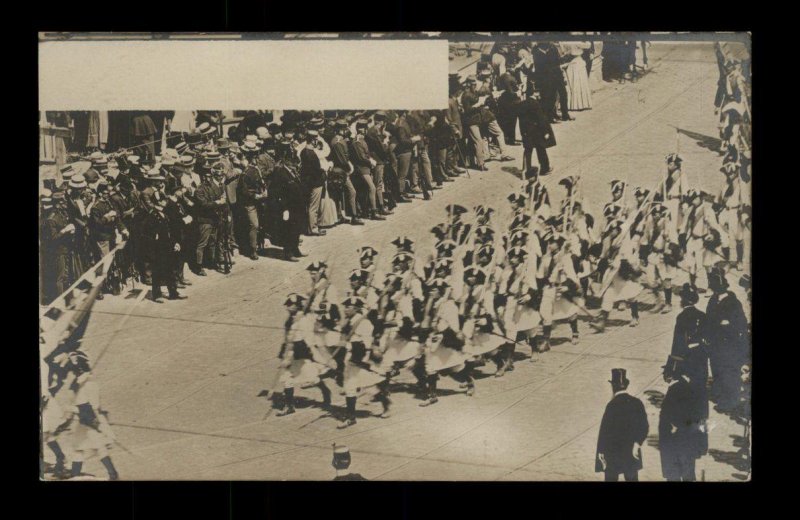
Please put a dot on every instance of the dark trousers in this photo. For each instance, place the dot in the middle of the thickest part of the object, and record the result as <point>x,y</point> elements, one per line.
<point>630,476</point>
<point>541,155</point>
<point>403,166</point>
<point>678,467</point>
<point>250,217</point>
<point>163,273</point>
<point>508,124</point>
<point>554,89</point>
<point>438,164</point>
<point>206,243</point>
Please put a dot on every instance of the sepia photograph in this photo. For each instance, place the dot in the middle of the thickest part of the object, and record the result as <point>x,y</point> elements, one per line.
<point>405,257</point>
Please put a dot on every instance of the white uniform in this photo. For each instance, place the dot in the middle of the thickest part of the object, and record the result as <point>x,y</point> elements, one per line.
<point>553,273</point>
<point>475,303</point>
<point>357,340</point>
<point>514,283</point>
<point>699,222</point>
<point>621,289</point>
<point>437,356</point>
<point>304,372</point>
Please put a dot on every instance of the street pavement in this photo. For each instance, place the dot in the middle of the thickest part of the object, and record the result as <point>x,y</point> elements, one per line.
<point>182,380</point>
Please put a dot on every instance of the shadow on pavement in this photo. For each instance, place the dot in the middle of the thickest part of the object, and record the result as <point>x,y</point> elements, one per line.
<point>703,141</point>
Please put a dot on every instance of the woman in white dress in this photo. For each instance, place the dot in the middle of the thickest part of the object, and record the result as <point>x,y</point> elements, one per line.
<point>580,96</point>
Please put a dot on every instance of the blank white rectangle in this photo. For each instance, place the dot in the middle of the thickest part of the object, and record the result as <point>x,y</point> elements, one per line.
<point>228,75</point>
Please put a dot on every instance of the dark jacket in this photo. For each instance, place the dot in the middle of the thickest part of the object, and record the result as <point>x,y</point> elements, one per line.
<point>310,169</point>
<point>402,134</point>
<point>454,114</point>
<point>251,184</point>
<point>359,153</point>
<point>533,125</point>
<point>207,210</point>
<point>286,194</point>
<point>101,226</point>
<point>689,343</point>
<point>377,149</point>
<point>624,423</point>
<point>679,434</point>
<point>729,344</point>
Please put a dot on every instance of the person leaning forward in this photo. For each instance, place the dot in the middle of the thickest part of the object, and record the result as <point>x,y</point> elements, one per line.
<point>623,430</point>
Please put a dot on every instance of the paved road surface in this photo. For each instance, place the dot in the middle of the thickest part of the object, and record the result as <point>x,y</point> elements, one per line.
<point>181,380</point>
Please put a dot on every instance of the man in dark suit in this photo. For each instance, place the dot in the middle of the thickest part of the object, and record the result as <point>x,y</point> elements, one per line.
<point>622,432</point>
<point>682,434</point>
<point>688,340</point>
<point>550,80</point>
<point>286,203</point>
<point>537,134</point>
<point>728,341</point>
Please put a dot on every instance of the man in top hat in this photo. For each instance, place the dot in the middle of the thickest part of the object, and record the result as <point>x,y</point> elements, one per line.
<point>536,131</point>
<point>623,430</point>
<point>341,463</point>
<point>728,340</point>
<point>163,249</point>
<point>682,433</point>
<point>549,78</point>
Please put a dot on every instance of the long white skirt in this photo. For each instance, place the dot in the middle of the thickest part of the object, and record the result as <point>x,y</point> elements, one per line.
<point>579,93</point>
<point>443,358</point>
<point>357,378</point>
<point>302,372</point>
<point>620,290</point>
<point>520,318</point>
<point>397,350</point>
<point>557,308</point>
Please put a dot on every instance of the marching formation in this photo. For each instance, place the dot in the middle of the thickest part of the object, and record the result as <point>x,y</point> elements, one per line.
<point>490,289</point>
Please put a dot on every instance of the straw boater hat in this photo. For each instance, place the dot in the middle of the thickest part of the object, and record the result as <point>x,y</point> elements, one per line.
<point>181,148</point>
<point>77,181</point>
<point>206,128</point>
<point>249,147</point>
<point>46,198</point>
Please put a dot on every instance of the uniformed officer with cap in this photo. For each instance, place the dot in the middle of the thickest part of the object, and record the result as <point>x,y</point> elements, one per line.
<point>341,463</point>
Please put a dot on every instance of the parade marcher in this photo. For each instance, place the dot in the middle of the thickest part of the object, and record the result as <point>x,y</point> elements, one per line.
<point>480,325</point>
<point>662,254</point>
<point>673,190</point>
<point>341,463</point>
<point>395,318</point>
<point>731,201</point>
<point>703,236</point>
<point>358,371</point>
<point>682,435</point>
<point>620,281</point>
<point>302,362</point>
<point>440,331</point>
<point>516,303</point>
<point>728,341</point>
<point>559,286</point>
<point>88,434</point>
<point>623,430</point>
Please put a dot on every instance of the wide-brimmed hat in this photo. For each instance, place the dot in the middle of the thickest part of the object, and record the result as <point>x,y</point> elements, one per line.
<point>181,148</point>
<point>206,128</point>
<point>249,147</point>
<point>77,182</point>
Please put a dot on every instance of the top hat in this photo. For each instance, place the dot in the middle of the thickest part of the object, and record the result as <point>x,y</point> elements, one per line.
<point>619,377</point>
<point>341,457</point>
<point>716,278</point>
<point>674,366</point>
